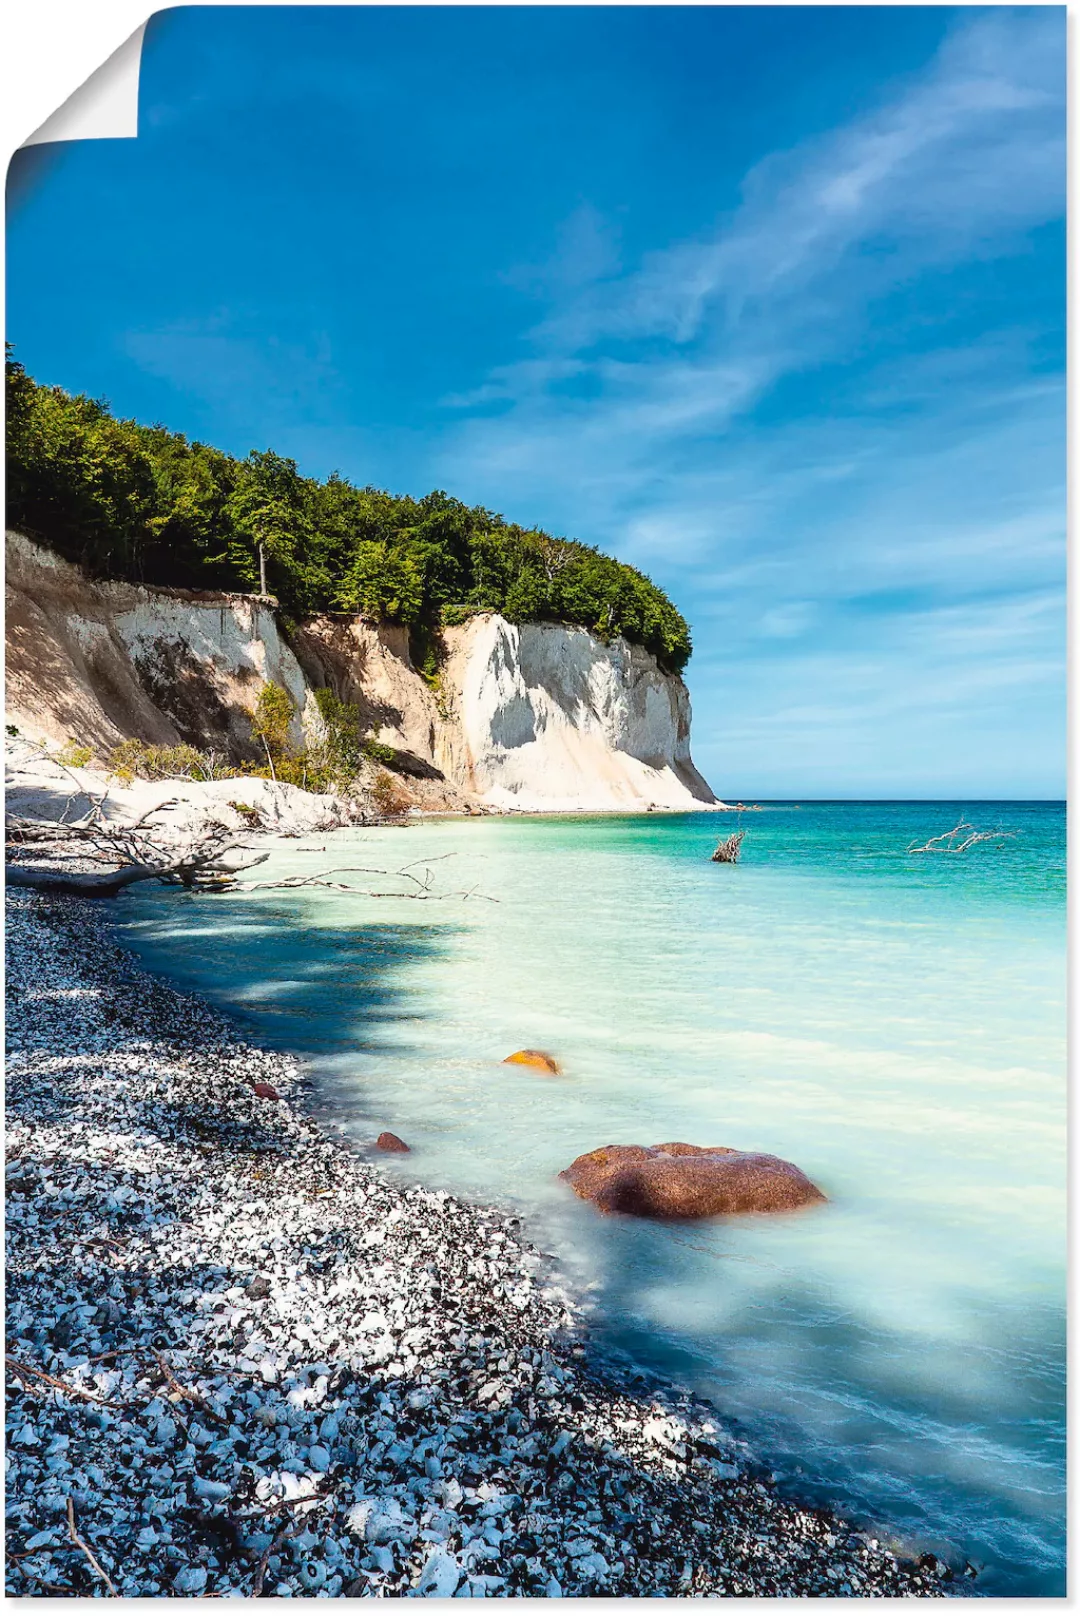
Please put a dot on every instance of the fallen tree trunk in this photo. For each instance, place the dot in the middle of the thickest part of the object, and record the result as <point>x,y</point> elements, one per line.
<point>79,883</point>
<point>132,855</point>
<point>209,864</point>
<point>89,884</point>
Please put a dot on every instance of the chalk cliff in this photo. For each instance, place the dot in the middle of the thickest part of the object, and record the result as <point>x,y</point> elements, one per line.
<point>537,716</point>
<point>544,716</point>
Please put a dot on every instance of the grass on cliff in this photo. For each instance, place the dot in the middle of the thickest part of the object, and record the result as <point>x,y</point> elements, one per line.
<point>143,503</point>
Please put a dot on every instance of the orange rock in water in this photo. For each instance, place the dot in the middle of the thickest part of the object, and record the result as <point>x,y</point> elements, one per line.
<point>538,1058</point>
<point>390,1141</point>
<point>265,1091</point>
<point>688,1181</point>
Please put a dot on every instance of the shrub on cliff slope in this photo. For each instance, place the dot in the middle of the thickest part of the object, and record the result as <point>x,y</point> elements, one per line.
<point>272,718</point>
<point>137,502</point>
<point>144,761</point>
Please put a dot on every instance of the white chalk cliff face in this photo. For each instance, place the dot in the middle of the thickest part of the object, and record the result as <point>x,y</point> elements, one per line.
<point>537,717</point>
<point>100,662</point>
<point>543,716</point>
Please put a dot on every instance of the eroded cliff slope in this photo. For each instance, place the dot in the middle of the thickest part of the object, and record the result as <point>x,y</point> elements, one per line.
<point>535,717</point>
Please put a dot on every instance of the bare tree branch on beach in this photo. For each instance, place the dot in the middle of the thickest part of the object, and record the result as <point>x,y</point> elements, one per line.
<point>206,863</point>
<point>727,849</point>
<point>42,852</point>
<point>96,799</point>
<point>211,862</point>
<point>82,1544</point>
<point>323,879</point>
<point>968,836</point>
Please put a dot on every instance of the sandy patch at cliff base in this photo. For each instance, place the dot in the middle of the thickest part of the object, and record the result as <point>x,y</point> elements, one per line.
<point>38,788</point>
<point>597,784</point>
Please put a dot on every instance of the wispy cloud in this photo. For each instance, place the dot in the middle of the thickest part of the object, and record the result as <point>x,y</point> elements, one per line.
<point>780,420</point>
<point>965,160</point>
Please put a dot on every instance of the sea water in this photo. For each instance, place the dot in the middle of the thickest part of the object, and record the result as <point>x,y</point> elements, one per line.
<point>891,1021</point>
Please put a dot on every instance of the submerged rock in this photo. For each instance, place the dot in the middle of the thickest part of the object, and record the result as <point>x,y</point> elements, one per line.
<point>538,1058</point>
<point>688,1181</point>
<point>390,1141</point>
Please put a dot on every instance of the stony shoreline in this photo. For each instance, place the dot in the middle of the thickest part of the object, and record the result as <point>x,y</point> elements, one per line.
<point>255,1363</point>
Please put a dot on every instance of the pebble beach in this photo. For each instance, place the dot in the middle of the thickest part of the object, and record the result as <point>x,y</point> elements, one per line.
<point>246,1360</point>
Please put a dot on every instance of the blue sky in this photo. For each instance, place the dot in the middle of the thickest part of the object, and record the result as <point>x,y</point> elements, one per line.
<point>768,301</point>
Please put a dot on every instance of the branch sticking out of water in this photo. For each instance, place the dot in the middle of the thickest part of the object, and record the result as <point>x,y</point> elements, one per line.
<point>960,838</point>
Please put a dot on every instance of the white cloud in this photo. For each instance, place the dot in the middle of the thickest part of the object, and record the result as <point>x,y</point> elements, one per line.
<point>962,162</point>
<point>924,466</point>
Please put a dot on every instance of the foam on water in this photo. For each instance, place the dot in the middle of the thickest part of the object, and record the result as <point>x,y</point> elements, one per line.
<point>893,1023</point>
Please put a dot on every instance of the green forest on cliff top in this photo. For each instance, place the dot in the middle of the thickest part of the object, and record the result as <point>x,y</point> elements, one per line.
<point>145,504</point>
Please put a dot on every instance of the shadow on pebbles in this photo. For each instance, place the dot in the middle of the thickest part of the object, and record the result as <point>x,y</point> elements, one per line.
<point>242,1360</point>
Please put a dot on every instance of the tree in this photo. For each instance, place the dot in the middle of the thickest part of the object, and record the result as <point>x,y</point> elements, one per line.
<point>383,583</point>
<point>266,511</point>
<point>271,720</point>
<point>141,502</point>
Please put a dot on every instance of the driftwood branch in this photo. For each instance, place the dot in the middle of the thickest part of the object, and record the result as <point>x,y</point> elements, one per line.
<point>133,854</point>
<point>323,879</point>
<point>211,862</point>
<point>96,800</point>
<point>190,1395</point>
<point>960,838</point>
<point>87,1550</point>
<point>270,1550</point>
<point>28,1373</point>
<point>727,850</point>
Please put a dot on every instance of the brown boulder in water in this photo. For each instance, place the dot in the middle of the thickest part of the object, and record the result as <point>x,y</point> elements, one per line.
<point>538,1058</point>
<point>688,1181</point>
<point>390,1141</point>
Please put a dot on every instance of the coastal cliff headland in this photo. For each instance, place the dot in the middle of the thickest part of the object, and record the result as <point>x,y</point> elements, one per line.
<point>156,585</point>
<point>535,717</point>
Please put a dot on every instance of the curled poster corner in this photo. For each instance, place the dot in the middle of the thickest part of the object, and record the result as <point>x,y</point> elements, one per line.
<point>106,107</point>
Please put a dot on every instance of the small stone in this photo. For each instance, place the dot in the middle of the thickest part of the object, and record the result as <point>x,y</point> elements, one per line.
<point>39,1541</point>
<point>538,1059</point>
<point>190,1580</point>
<point>440,1575</point>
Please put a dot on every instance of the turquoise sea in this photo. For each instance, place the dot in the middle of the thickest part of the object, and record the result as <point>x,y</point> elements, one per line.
<point>893,1023</point>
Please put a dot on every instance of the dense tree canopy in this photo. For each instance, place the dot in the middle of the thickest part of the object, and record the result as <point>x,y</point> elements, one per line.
<point>142,503</point>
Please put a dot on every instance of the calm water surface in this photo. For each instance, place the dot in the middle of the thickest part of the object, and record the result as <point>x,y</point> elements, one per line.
<point>893,1023</point>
